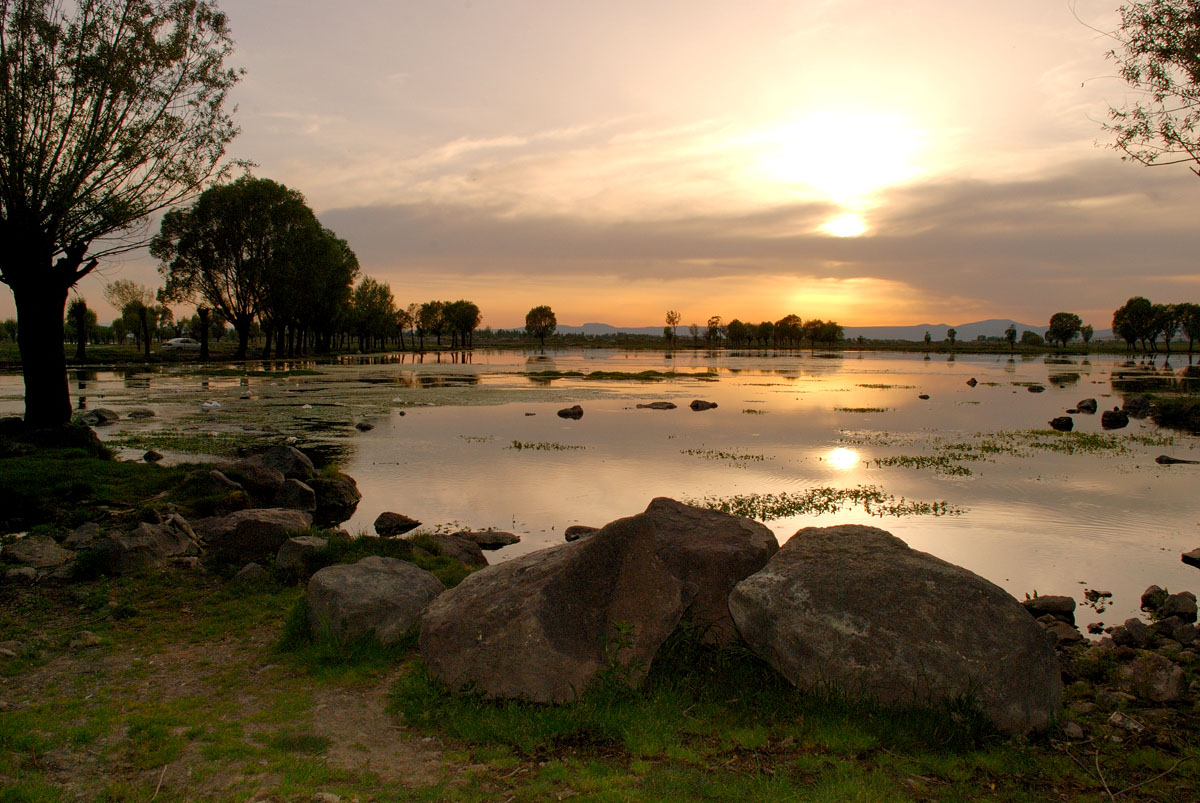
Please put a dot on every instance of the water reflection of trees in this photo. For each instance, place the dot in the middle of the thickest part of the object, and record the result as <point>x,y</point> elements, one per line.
<point>1146,376</point>
<point>409,358</point>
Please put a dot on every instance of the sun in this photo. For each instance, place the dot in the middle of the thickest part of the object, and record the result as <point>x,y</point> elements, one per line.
<point>849,225</point>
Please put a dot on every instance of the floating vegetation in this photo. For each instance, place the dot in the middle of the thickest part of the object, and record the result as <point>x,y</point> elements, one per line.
<point>941,464</point>
<point>887,387</point>
<point>862,409</point>
<point>750,411</point>
<point>639,376</point>
<point>221,444</point>
<point>257,372</point>
<point>478,438</point>
<point>544,446</point>
<point>714,454</point>
<point>816,501</point>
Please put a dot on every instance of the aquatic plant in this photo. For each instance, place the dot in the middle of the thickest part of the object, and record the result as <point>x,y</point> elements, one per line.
<point>816,501</point>
<point>544,446</point>
<point>862,409</point>
<point>941,464</point>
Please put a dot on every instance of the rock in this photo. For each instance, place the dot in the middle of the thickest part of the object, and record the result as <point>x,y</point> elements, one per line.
<point>1125,722</point>
<point>577,531</point>
<point>1167,460</point>
<point>251,575</point>
<point>38,551</point>
<point>1153,598</point>
<point>1137,406</point>
<point>853,608</point>
<point>1136,634</point>
<point>1185,634</point>
<point>1072,730</point>
<point>542,626</point>
<point>250,535</point>
<point>490,539</point>
<point>337,497</point>
<point>924,396</point>
<point>85,639</point>
<point>295,495</point>
<point>1191,558</point>
<point>461,549</point>
<point>106,416</point>
<point>147,546</point>
<point>389,524</point>
<point>1182,604</point>
<point>290,560</point>
<point>972,382</point>
<point>574,413</point>
<point>152,456</point>
<point>1095,628</point>
<point>1062,423</point>
<point>1062,633</point>
<point>1062,608</point>
<point>1153,677</point>
<point>21,574</point>
<point>1036,389</point>
<point>1087,406</point>
<point>83,536</point>
<point>287,460</point>
<point>219,482</point>
<point>1114,419</point>
<point>141,412</point>
<point>260,481</point>
<point>363,426</point>
<point>658,405</point>
<point>700,404</point>
<point>381,595</point>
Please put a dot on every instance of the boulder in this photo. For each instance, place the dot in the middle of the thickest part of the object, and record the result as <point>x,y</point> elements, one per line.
<point>1133,633</point>
<point>700,404</point>
<point>385,596</point>
<point>290,559</point>
<point>574,413</point>
<point>1153,677</point>
<point>1114,419</point>
<point>1137,406</point>
<point>1191,558</point>
<point>577,531</point>
<point>261,482</point>
<point>250,535</point>
<point>1061,608</point>
<point>21,574</point>
<point>106,416</point>
<point>389,524</point>
<point>543,626</point>
<point>337,497</point>
<point>972,382</point>
<point>38,551</point>
<point>251,575</point>
<point>1153,598</point>
<point>1087,406</point>
<point>461,549</point>
<point>295,495</point>
<point>1182,605</point>
<point>287,460</point>
<point>141,412</point>
<point>490,539</point>
<point>1062,423</point>
<point>83,536</point>
<point>147,546</point>
<point>658,405</point>
<point>854,608</point>
<point>152,456</point>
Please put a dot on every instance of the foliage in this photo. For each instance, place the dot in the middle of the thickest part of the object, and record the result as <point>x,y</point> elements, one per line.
<point>109,110</point>
<point>1029,338</point>
<point>815,501</point>
<point>1158,54</point>
<point>1063,327</point>
<point>1010,334</point>
<point>540,322</point>
<point>372,312</point>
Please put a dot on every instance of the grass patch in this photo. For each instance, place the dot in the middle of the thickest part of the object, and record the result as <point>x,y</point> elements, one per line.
<point>544,446</point>
<point>222,444</point>
<point>862,409</point>
<point>816,501</point>
<point>628,376</point>
<point>751,411</point>
<point>941,464</point>
<point>880,386</point>
<point>716,454</point>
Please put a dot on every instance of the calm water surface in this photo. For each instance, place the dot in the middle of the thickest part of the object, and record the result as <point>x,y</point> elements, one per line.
<point>1030,517</point>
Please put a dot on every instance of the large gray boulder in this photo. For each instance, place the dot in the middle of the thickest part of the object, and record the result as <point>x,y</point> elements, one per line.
<point>289,461</point>
<point>381,595</point>
<point>337,497</point>
<point>290,559</point>
<point>261,482</point>
<point>855,608</point>
<point>542,626</point>
<point>38,551</point>
<point>147,546</point>
<point>461,549</point>
<point>295,495</point>
<point>250,535</point>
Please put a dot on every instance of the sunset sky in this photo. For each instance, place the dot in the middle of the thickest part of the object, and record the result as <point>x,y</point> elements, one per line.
<point>875,163</point>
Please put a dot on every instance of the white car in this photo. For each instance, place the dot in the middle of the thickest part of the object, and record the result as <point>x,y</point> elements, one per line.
<point>181,344</point>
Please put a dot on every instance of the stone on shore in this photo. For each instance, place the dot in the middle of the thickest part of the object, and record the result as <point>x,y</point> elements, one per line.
<point>489,539</point>
<point>382,595</point>
<point>1114,419</point>
<point>1191,558</point>
<point>1061,608</point>
<point>577,531</point>
<point>856,609</point>
<point>146,546</point>
<point>337,497</point>
<point>389,524</point>
<point>250,535</point>
<point>38,551</point>
<point>290,559</point>
<point>463,550</point>
<point>295,495</point>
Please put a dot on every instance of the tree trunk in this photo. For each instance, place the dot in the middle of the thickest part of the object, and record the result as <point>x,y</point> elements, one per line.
<point>41,308</point>
<point>243,332</point>
<point>203,313</point>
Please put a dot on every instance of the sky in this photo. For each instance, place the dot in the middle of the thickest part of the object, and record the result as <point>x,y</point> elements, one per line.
<point>873,163</point>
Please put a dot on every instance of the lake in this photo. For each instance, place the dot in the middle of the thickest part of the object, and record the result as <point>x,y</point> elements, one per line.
<point>970,474</point>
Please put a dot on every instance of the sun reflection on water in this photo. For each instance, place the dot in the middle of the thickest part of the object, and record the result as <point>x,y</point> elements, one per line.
<point>842,458</point>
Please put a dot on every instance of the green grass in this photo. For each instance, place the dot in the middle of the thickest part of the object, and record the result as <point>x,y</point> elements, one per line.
<point>815,501</point>
<point>941,464</point>
<point>544,446</point>
<point>862,409</point>
<point>224,444</point>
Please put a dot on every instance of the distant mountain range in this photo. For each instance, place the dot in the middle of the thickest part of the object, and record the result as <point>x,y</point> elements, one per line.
<point>993,327</point>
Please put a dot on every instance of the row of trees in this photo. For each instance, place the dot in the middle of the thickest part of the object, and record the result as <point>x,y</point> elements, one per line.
<point>1140,321</point>
<point>788,332</point>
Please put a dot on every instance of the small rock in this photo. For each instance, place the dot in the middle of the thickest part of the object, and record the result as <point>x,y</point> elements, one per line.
<point>1063,633</point>
<point>490,539</point>
<point>1095,628</point>
<point>1083,707</point>
<point>1153,598</point>
<point>972,381</point>
<point>658,405</point>
<point>1185,634</point>
<point>1167,460</point>
<point>363,426</point>
<point>85,639</point>
<point>574,413</point>
<point>577,531</point>
<point>1062,423</point>
<point>325,797</point>
<point>923,396</point>
<point>251,575</point>
<point>1087,406</point>
<point>1114,419</point>
<point>289,561</point>
<point>1036,389</point>
<point>106,416</point>
<point>1126,722</point>
<point>141,412</point>
<point>38,551</point>
<point>1191,558</point>
<point>389,525</point>
<point>295,495</point>
<point>83,536</point>
<point>1182,604</point>
<point>21,574</point>
<point>152,456</point>
<point>529,414</point>
<point>1060,607</point>
<point>700,404</point>
<point>1072,731</point>
<point>1154,677</point>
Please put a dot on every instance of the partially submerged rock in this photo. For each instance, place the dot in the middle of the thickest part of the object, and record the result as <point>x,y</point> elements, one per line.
<point>1060,607</point>
<point>384,596</point>
<point>337,497</point>
<point>701,404</point>
<point>1191,558</point>
<point>1114,419</point>
<point>490,539</point>
<point>389,524</point>
<point>658,405</point>
<point>577,531</point>
<point>1062,423</point>
<point>461,549</point>
<point>574,413</point>
<point>854,608</point>
<point>1087,406</point>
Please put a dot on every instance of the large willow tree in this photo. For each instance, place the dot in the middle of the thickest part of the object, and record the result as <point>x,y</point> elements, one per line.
<point>109,111</point>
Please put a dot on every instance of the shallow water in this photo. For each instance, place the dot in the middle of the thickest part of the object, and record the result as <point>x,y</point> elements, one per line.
<point>1031,518</point>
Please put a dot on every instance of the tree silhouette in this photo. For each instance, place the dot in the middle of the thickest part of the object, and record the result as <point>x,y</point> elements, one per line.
<point>540,322</point>
<point>1010,334</point>
<point>1063,327</point>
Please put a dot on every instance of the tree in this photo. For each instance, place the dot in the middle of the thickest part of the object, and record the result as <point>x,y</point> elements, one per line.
<point>373,312</point>
<point>715,332</point>
<point>1165,323</point>
<point>1063,327</point>
<point>110,110</point>
<point>83,319</point>
<point>540,322</point>
<point>928,338</point>
<point>1086,332</point>
<point>1189,321</point>
<point>1132,320</point>
<point>673,321</point>
<point>1010,334</point>
<point>737,332</point>
<point>430,321</point>
<point>236,248</point>
<point>136,305</point>
<point>766,333</point>
<point>951,335</point>
<point>463,318</point>
<point>1029,338</point>
<point>788,330</point>
<point>1158,54</point>
<point>830,332</point>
